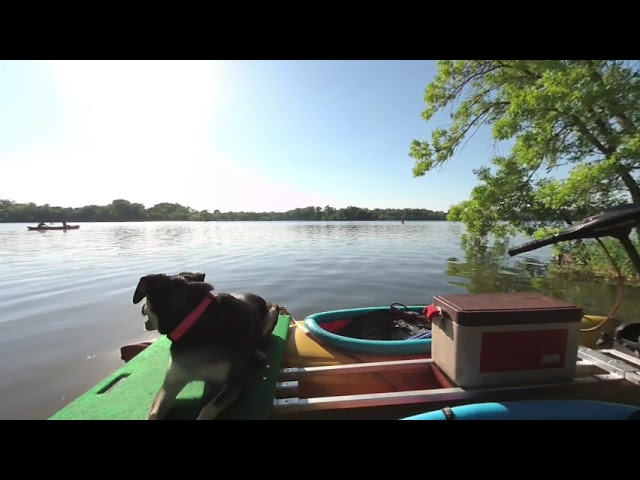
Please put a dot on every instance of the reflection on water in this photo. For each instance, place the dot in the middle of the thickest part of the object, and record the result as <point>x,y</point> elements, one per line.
<point>485,270</point>
<point>66,297</point>
<point>126,238</point>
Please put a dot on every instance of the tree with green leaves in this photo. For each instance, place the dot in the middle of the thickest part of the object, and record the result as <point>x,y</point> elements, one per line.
<point>121,210</point>
<point>574,127</point>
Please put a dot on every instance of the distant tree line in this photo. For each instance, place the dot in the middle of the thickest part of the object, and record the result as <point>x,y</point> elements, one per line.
<point>125,211</point>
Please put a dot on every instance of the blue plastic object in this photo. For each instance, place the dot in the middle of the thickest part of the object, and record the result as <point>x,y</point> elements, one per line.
<point>536,410</point>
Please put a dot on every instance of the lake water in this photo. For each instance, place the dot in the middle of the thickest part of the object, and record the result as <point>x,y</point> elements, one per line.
<point>66,297</point>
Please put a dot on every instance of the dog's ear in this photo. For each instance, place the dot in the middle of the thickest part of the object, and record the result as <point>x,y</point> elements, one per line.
<point>193,276</point>
<point>146,284</point>
<point>141,290</point>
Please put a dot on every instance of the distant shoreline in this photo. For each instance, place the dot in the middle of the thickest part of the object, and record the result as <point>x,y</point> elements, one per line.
<point>226,221</point>
<point>125,211</point>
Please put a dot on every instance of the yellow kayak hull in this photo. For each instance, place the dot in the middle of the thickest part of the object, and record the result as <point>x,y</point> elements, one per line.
<point>595,325</point>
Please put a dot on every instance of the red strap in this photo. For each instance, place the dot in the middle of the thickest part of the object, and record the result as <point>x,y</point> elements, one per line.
<point>188,322</point>
<point>431,311</point>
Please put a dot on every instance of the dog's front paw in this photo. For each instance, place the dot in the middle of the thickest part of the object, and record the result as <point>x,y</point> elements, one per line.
<point>260,357</point>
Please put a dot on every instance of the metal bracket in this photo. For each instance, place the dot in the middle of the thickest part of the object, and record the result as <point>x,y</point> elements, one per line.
<point>287,388</point>
<point>417,396</point>
<point>351,368</point>
<point>604,361</point>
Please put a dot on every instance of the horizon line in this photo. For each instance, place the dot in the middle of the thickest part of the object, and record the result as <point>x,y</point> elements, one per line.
<point>207,210</point>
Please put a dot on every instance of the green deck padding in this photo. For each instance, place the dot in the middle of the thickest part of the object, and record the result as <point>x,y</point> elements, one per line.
<point>134,386</point>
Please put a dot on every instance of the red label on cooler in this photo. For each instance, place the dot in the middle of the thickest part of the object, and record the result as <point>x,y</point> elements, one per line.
<point>529,350</point>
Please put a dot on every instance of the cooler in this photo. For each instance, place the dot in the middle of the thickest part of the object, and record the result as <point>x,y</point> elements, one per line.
<point>505,338</point>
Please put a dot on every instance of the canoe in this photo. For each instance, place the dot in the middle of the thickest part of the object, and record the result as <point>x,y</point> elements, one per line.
<point>44,229</point>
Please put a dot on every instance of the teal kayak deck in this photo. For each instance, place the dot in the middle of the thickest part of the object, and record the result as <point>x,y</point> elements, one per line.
<point>315,324</point>
<point>127,393</point>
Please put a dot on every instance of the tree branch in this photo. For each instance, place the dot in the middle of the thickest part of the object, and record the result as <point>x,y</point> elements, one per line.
<point>617,112</point>
<point>478,117</point>
<point>457,90</point>
<point>607,152</point>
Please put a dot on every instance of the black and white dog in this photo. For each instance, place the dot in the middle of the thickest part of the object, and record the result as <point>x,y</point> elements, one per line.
<point>215,338</point>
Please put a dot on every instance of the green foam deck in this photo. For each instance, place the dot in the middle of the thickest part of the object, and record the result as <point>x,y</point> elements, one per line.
<point>127,393</point>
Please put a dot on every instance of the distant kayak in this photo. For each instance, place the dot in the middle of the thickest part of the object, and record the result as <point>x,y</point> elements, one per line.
<point>42,229</point>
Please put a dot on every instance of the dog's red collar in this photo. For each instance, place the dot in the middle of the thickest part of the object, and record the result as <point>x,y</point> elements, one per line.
<point>192,318</point>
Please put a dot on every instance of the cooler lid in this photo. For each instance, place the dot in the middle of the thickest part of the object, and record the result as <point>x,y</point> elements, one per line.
<point>483,309</point>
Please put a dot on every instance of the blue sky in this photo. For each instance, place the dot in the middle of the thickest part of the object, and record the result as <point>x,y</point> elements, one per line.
<point>227,135</point>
